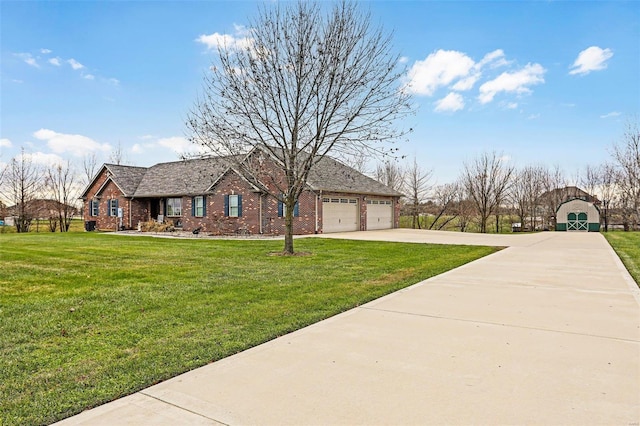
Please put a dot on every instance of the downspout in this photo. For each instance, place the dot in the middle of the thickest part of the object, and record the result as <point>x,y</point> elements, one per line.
<point>130,199</point>
<point>317,196</point>
<point>260,217</point>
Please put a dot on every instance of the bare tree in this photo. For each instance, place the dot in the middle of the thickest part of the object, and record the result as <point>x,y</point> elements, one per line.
<point>526,189</point>
<point>21,183</point>
<point>89,167</point>
<point>554,195</point>
<point>465,207</point>
<point>627,157</point>
<point>117,156</point>
<point>60,184</point>
<point>417,187</point>
<point>445,197</point>
<point>305,84</point>
<point>486,179</point>
<point>607,191</point>
<point>391,173</point>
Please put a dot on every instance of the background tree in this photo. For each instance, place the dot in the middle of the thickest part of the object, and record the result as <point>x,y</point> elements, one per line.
<point>391,173</point>
<point>21,183</point>
<point>445,196</point>
<point>417,188</point>
<point>554,182</point>
<point>486,180</point>
<point>525,191</point>
<point>627,157</point>
<point>60,185</point>
<point>306,84</point>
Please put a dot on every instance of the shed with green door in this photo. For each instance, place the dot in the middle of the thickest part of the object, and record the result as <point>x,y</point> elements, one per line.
<point>578,215</point>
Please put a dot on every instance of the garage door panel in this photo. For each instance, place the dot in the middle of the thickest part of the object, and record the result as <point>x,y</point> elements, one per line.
<point>379,214</point>
<point>340,215</point>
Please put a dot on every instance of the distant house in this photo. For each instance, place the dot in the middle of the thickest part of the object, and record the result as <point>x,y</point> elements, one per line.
<point>212,195</point>
<point>41,209</point>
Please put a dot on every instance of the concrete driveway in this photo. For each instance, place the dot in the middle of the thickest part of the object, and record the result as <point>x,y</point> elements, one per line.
<point>544,332</point>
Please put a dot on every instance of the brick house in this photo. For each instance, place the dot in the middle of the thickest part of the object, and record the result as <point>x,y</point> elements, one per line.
<point>210,194</point>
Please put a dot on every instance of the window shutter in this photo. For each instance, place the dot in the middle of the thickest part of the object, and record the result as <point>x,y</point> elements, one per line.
<point>193,206</point>
<point>108,207</point>
<point>239,205</point>
<point>296,210</point>
<point>226,205</point>
<point>164,207</point>
<point>204,205</point>
<point>280,209</point>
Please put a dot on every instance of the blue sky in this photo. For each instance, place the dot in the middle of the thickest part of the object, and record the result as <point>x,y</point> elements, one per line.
<point>549,83</point>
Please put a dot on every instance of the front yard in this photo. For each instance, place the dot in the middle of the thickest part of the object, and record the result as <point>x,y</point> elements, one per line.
<point>627,246</point>
<point>86,318</point>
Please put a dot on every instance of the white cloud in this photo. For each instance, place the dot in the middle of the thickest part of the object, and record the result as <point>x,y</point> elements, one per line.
<point>5,143</point>
<point>611,114</point>
<point>45,51</point>
<point>494,59</point>
<point>450,103</point>
<point>403,59</point>
<point>511,105</point>
<point>43,158</point>
<point>75,64</point>
<point>240,40</point>
<point>147,137</point>
<point>28,59</point>
<point>137,149</point>
<point>88,76</point>
<point>114,81</point>
<point>55,61</point>
<point>179,145</point>
<point>512,82</point>
<point>439,69</point>
<point>591,59</point>
<point>533,116</point>
<point>77,145</point>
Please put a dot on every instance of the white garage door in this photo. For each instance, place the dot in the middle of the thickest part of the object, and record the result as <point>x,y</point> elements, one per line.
<point>340,215</point>
<point>379,214</point>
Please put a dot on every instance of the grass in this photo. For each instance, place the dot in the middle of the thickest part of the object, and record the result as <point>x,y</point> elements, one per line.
<point>627,246</point>
<point>86,318</point>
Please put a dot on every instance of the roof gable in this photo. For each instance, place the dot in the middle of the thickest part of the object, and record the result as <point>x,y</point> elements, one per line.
<point>186,177</point>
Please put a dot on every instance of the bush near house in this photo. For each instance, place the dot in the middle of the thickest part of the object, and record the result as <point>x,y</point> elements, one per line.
<point>90,317</point>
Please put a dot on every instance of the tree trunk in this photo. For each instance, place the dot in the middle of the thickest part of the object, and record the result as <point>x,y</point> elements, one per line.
<point>289,203</point>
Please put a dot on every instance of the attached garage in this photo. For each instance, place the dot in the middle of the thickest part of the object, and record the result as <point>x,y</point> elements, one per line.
<point>379,214</point>
<point>340,215</point>
<point>578,215</point>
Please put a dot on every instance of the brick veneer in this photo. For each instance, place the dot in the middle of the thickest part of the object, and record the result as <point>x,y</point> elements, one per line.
<point>259,211</point>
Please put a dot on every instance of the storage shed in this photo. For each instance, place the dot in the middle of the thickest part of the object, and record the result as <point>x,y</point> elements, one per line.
<point>578,215</point>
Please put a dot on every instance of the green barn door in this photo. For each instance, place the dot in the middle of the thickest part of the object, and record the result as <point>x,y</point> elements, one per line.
<point>577,222</point>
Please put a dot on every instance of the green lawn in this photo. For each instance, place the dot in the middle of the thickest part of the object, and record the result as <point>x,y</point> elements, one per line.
<point>627,245</point>
<point>86,318</point>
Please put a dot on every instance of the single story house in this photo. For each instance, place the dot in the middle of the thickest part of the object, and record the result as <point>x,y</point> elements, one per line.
<point>578,215</point>
<point>212,195</point>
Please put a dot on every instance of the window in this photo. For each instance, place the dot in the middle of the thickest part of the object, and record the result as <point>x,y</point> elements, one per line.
<point>93,207</point>
<point>233,205</point>
<point>282,209</point>
<point>174,206</point>
<point>112,207</point>
<point>198,207</point>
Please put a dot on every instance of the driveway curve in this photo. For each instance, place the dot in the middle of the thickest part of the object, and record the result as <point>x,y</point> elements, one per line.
<point>546,331</point>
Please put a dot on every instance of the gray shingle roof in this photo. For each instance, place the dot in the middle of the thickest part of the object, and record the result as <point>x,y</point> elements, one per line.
<point>187,177</point>
<point>126,177</point>
<point>331,175</point>
<point>193,177</point>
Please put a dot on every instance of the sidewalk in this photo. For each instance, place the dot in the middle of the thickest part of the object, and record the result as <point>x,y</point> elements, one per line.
<point>546,331</point>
